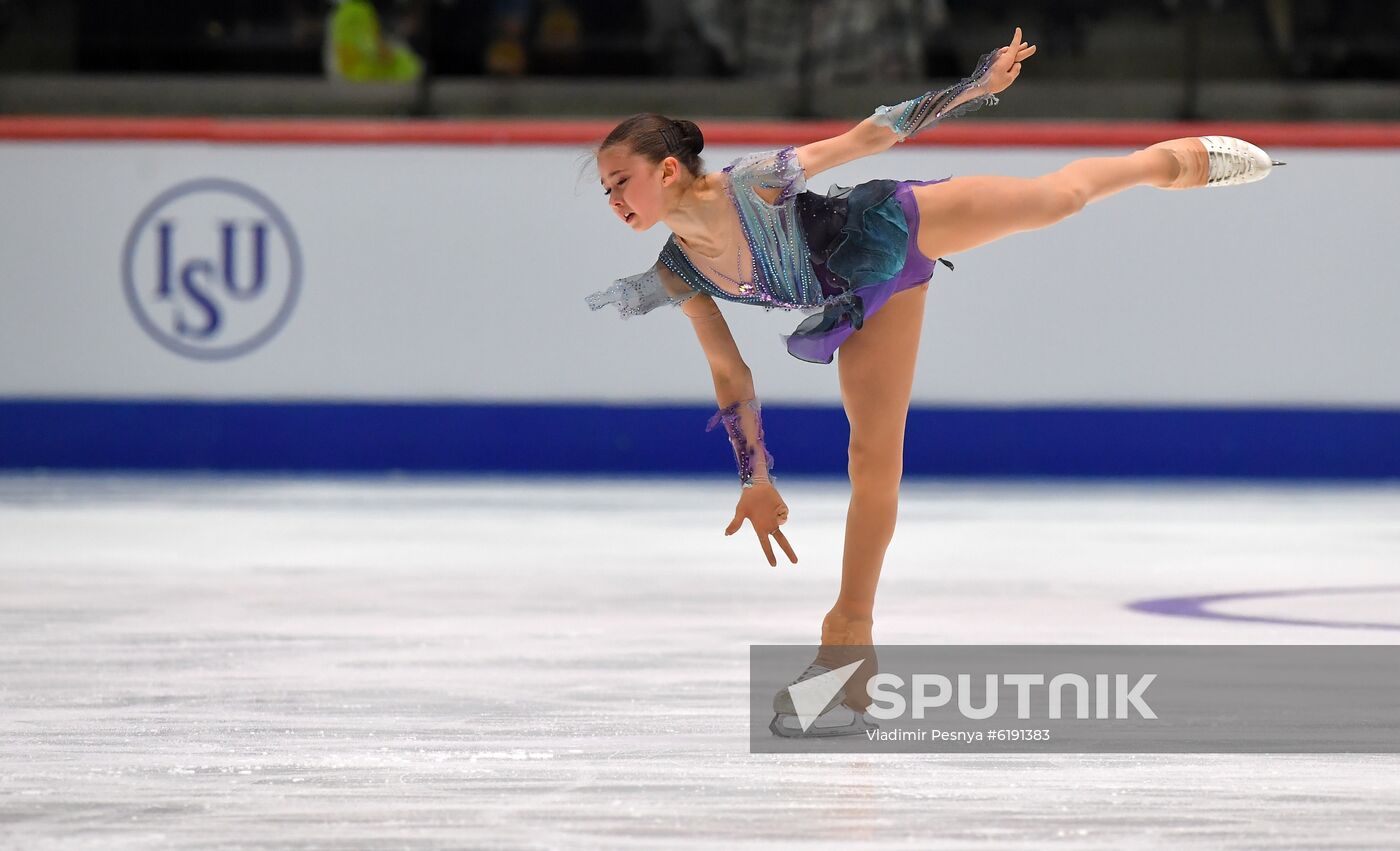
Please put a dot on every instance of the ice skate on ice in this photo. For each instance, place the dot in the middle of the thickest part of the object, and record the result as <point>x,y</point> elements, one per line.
<point>812,706</point>
<point>840,720</point>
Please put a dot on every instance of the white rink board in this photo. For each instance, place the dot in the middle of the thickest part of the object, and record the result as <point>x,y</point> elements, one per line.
<point>459,273</point>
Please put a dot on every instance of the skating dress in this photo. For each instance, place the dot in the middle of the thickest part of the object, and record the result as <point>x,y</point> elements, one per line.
<point>841,255</point>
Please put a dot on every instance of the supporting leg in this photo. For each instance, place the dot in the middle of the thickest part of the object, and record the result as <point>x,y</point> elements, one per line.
<point>876,369</point>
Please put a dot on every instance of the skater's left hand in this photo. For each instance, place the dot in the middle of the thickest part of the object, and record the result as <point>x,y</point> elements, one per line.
<point>1007,66</point>
<point>766,511</point>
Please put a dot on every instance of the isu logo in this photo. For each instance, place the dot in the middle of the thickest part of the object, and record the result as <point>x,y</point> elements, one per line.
<point>211,269</point>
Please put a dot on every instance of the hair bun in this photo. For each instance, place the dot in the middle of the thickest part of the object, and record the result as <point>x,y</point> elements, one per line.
<point>690,134</point>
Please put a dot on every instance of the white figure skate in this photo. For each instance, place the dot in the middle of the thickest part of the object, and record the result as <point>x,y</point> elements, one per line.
<point>1216,161</point>
<point>831,718</point>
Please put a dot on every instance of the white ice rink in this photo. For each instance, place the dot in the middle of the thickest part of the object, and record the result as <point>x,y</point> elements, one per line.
<point>402,663</point>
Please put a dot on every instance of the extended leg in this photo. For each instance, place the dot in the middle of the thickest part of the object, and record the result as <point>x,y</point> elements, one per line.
<point>965,212</point>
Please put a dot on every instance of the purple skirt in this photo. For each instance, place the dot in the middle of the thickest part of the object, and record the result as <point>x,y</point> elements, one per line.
<point>817,338</point>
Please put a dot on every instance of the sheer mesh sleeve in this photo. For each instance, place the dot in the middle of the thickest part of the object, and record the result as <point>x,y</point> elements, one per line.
<point>643,293</point>
<point>920,113</point>
<point>743,421</point>
<point>777,169</point>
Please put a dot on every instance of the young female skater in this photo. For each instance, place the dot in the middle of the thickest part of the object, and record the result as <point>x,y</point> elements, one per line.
<point>751,234</point>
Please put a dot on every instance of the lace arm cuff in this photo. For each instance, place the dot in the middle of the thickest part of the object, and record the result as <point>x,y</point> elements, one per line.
<point>744,423</point>
<point>918,114</point>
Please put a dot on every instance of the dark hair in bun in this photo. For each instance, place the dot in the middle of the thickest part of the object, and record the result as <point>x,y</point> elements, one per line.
<point>691,137</point>
<point>656,137</point>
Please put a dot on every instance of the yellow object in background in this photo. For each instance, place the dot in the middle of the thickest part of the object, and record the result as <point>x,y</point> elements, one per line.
<point>357,50</point>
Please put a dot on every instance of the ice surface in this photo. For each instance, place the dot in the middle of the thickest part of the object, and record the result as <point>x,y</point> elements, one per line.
<point>368,663</point>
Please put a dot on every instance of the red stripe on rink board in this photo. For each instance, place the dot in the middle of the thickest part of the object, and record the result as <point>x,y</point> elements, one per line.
<point>980,133</point>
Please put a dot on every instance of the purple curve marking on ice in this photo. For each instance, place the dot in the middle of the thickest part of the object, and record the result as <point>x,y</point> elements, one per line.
<point>1195,607</point>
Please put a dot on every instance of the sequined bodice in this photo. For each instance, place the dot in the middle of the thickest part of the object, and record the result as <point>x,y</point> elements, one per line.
<point>780,269</point>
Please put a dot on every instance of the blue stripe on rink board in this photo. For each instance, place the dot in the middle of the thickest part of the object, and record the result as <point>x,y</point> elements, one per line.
<point>1288,443</point>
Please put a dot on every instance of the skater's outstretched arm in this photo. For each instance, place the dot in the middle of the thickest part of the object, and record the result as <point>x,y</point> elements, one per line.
<point>740,413</point>
<point>891,124</point>
<point>864,139</point>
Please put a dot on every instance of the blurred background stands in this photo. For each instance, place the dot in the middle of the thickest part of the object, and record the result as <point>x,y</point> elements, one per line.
<point>1131,59</point>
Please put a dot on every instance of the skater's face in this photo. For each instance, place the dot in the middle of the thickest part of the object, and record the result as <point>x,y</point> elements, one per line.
<point>635,189</point>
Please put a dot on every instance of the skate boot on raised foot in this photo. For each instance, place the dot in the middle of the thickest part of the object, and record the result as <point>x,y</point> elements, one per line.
<point>1216,161</point>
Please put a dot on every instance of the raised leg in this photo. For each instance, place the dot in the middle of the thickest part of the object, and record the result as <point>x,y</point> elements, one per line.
<point>965,212</point>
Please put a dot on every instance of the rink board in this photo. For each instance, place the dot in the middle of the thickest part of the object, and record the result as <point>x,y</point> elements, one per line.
<point>418,303</point>
<point>601,439</point>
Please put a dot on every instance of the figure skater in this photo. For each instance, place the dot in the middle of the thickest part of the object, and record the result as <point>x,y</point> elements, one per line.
<point>861,257</point>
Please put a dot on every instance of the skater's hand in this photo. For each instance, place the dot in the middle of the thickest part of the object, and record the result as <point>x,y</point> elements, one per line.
<point>1007,65</point>
<point>766,511</point>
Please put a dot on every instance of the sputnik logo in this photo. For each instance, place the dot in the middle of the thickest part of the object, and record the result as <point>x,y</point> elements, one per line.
<point>810,697</point>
